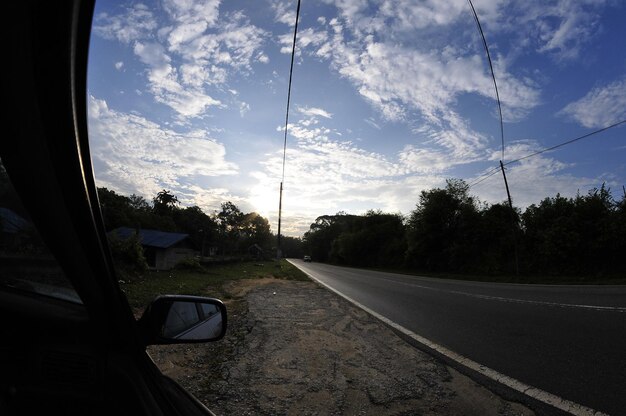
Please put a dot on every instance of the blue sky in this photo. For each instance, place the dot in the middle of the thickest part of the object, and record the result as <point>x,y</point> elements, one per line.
<point>389,98</point>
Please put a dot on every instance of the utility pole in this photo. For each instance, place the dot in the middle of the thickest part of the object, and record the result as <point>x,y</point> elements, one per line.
<point>279,252</point>
<point>513,222</point>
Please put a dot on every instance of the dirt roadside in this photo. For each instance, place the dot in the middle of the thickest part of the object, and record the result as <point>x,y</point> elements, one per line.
<point>295,348</point>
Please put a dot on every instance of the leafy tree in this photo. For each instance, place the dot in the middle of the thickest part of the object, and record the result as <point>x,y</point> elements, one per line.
<point>139,203</point>
<point>440,229</point>
<point>451,231</point>
<point>164,203</point>
<point>292,246</point>
<point>323,232</point>
<point>128,255</point>
<point>229,224</point>
<point>374,239</point>
<point>574,236</point>
<point>255,229</point>
<point>201,228</point>
<point>494,242</point>
<point>230,217</point>
<point>618,237</point>
<point>116,209</point>
<point>551,235</point>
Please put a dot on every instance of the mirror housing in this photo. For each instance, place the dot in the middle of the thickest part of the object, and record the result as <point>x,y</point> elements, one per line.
<point>183,319</point>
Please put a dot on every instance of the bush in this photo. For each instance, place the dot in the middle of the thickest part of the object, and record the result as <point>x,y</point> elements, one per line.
<point>128,254</point>
<point>190,263</point>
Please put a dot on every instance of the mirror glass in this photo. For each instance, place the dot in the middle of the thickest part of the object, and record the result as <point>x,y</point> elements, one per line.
<point>191,320</point>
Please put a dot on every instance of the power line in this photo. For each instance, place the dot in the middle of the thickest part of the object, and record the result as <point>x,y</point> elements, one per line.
<point>484,177</point>
<point>293,54</point>
<point>493,76</point>
<point>497,168</point>
<point>567,142</point>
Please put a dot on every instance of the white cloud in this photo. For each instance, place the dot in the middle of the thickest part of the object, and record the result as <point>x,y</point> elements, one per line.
<point>151,54</point>
<point>137,22</point>
<point>372,123</point>
<point>456,136</point>
<point>424,161</point>
<point>136,155</point>
<point>193,11</point>
<point>564,26</point>
<point>407,81</point>
<point>185,100</point>
<point>396,79</point>
<point>234,43</point>
<point>314,111</point>
<point>306,38</point>
<point>119,65</point>
<point>325,175</point>
<point>209,199</point>
<point>600,107</point>
<point>185,33</point>
<point>284,12</point>
<point>410,15</point>
<point>558,28</point>
<point>187,50</point>
<point>243,108</point>
<point>327,178</point>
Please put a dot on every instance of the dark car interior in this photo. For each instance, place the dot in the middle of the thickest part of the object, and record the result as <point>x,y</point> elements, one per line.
<point>75,348</point>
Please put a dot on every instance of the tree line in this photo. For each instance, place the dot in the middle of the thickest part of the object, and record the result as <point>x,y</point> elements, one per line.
<point>451,231</point>
<point>228,231</point>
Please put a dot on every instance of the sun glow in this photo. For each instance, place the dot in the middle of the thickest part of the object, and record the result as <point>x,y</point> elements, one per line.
<point>264,201</point>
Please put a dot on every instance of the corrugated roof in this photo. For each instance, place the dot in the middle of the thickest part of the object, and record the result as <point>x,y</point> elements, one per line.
<point>151,238</point>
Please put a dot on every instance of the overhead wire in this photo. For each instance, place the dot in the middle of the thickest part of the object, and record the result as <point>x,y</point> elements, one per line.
<point>484,177</point>
<point>547,149</point>
<point>293,54</point>
<point>567,142</point>
<point>493,76</point>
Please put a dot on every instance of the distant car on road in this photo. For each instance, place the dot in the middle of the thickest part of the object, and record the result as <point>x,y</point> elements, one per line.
<point>307,258</point>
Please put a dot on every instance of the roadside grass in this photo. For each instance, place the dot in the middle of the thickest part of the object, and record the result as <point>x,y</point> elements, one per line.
<point>207,281</point>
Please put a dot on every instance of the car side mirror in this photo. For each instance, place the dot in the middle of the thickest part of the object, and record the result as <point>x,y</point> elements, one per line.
<point>183,319</point>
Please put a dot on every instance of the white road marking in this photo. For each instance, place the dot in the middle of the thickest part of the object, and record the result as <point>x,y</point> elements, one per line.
<point>620,309</point>
<point>512,300</point>
<point>537,394</point>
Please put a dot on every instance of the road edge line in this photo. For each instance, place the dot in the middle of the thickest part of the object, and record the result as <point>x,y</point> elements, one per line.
<point>523,388</point>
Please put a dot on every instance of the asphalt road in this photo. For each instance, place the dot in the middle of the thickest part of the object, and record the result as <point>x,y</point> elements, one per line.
<point>569,341</point>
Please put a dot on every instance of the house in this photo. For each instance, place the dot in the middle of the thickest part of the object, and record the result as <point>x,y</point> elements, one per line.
<point>163,250</point>
<point>256,252</point>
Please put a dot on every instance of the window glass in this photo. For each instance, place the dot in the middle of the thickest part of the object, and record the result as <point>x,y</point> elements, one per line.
<point>182,316</point>
<point>25,261</point>
<point>208,310</point>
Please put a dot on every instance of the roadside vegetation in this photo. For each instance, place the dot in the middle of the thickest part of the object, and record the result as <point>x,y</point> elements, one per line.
<point>208,281</point>
<point>453,234</point>
<point>229,232</point>
<point>450,233</point>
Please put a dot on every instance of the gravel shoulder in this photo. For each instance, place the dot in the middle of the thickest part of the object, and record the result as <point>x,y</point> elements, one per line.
<point>295,348</point>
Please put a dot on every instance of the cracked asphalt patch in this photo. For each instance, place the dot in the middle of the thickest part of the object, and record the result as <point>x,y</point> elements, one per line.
<point>294,348</point>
